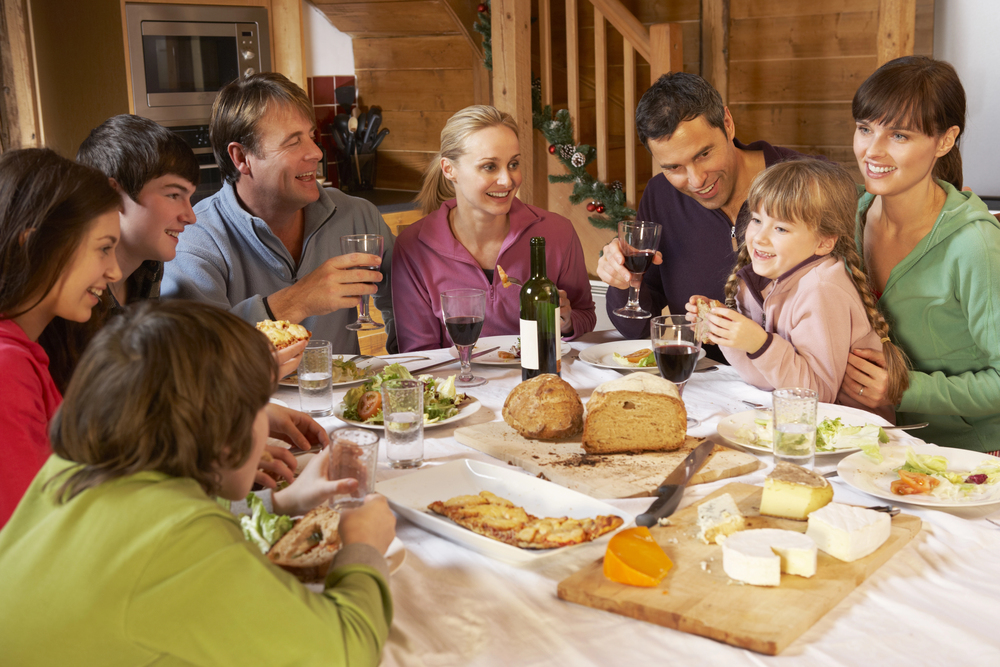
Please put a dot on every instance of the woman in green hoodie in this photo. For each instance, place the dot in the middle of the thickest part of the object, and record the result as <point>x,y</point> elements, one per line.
<point>933,255</point>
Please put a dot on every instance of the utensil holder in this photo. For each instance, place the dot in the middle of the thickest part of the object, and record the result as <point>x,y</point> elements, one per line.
<point>348,169</point>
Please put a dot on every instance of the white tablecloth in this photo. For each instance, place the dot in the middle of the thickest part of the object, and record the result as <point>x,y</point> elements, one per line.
<point>936,602</point>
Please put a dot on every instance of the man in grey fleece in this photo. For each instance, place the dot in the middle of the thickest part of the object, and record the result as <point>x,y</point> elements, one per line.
<point>267,246</point>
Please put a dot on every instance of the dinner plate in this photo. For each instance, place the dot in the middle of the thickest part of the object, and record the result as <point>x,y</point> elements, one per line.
<point>603,355</point>
<point>374,364</point>
<point>875,479</point>
<point>395,555</point>
<point>469,407</point>
<point>849,416</point>
<point>278,401</point>
<point>505,343</point>
<point>409,495</point>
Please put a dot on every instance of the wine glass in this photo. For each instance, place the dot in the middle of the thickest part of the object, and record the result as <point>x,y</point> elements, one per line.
<point>464,311</point>
<point>638,241</point>
<point>372,244</point>
<point>677,347</point>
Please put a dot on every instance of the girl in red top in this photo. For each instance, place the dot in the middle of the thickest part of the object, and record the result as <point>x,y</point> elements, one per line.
<point>58,232</point>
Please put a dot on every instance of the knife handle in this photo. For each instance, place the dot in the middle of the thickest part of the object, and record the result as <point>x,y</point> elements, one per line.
<point>664,505</point>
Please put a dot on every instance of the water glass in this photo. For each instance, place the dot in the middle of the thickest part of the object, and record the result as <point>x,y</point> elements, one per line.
<point>403,414</point>
<point>353,455</point>
<point>795,425</point>
<point>316,379</point>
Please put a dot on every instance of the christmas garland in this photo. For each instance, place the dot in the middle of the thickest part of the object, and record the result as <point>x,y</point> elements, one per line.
<point>607,200</point>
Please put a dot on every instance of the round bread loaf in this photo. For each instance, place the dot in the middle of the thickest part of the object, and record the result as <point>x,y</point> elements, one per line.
<point>640,412</point>
<point>544,407</point>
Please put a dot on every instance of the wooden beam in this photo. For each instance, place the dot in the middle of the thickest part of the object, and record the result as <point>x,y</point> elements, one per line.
<point>511,28</point>
<point>715,45</point>
<point>288,45</point>
<point>18,106</point>
<point>464,14</point>
<point>573,67</point>
<point>666,45</point>
<point>601,83</point>
<point>896,27</point>
<point>545,49</point>
<point>626,23</point>
<point>630,138</point>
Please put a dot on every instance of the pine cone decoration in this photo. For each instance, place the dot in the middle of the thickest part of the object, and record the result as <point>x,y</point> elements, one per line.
<point>566,151</point>
<point>578,160</point>
<point>616,186</point>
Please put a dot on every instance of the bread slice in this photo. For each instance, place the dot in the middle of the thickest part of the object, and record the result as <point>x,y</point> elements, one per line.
<point>546,407</point>
<point>308,549</point>
<point>640,412</point>
<point>283,333</point>
<point>704,309</point>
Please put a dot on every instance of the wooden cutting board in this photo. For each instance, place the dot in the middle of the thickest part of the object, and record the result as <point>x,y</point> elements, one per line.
<point>706,602</point>
<point>599,475</point>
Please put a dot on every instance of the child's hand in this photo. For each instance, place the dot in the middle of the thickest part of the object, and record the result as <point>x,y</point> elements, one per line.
<point>311,488</point>
<point>692,307</point>
<point>276,461</point>
<point>373,523</point>
<point>288,358</point>
<point>730,329</point>
<point>296,428</point>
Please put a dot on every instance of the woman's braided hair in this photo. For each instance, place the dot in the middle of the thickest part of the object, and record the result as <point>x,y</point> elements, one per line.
<point>823,196</point>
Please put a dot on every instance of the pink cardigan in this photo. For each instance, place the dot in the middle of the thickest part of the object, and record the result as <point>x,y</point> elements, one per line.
<point>815,317</point>
<point>428,260</point>
<point>28,400</point>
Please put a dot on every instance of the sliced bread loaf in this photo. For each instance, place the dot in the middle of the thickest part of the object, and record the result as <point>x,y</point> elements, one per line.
<point>640,412</point>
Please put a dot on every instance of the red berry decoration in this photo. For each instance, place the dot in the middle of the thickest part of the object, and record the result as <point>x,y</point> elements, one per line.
<point>591,207</point>
<point>481,8</point>
<point>600,208</point>
<point>552,149</point>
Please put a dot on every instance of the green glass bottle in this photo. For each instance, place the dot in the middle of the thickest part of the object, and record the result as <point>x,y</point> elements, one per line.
<point>540,335</point>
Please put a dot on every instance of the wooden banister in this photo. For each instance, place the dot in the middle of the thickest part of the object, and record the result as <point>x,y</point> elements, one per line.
<point>626,23</point>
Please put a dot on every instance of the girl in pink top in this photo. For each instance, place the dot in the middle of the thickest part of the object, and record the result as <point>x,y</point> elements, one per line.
<point>58,232</point>
<point>802,300</point>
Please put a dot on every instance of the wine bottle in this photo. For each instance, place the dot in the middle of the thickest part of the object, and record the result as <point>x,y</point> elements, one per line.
<point>540,324</point>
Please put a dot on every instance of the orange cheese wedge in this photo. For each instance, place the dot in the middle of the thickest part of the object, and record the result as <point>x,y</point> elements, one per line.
<point>634,558</point>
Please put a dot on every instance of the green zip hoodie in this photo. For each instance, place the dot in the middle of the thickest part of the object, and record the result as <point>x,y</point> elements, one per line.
<point>943,305</point>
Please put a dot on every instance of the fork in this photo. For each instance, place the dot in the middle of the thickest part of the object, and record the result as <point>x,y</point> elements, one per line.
<point>363,357</point>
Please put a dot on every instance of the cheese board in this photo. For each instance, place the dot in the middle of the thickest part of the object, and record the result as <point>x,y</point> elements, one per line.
<point>699,598</point>
<point>599,475</point>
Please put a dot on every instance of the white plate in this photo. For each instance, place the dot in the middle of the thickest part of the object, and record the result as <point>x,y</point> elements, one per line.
<point>374,364</point>
<point>278,401</point>
<point>873,478</point>
<point>603,355</point>
<point>850,416</point>
<point>394,556</point>
<point>410,495</point>
<point>505,343</point>
<point>470,407</point>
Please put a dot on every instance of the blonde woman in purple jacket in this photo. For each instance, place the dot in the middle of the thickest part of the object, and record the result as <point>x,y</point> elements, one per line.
<point>801,297</point>
<point>474,223</point>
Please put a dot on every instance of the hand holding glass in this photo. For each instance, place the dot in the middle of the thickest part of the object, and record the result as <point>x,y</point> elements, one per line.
<point>464,311</point>
<point>371,244</point>
<point>638,241</point>
<point>677,347</point>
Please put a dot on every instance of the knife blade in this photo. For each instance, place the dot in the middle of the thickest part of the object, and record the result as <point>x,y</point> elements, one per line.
<point>451,361</point>
<point>672,490</point>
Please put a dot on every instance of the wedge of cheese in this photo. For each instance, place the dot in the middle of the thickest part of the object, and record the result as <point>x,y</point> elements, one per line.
<point>719,517</point>
<point>848,533</point>
<point>792,492</point>
<point>759,557</point>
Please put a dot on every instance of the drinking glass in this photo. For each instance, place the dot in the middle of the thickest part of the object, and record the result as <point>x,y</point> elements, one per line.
<point>403,414</point>
<point>353,455</point>
<point>795,425</point>
<point>316,378</point>
<point>677,347</point>
<point>464,311</point>
<point>372,244</point>
<point>638,241</point>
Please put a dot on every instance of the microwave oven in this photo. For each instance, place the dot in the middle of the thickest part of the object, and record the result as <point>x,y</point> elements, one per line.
<point>180,56</point>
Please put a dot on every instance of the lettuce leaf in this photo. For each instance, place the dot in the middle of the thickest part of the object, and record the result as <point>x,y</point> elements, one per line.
<point>263,528</point>
<point>646,362</point>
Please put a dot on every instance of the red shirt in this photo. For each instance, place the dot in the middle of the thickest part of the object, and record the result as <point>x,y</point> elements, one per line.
<point>28,400</point>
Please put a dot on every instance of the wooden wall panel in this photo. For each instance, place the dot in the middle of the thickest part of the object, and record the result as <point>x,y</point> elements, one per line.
<point>390,18</point>
<point>417,90</point>
<point>743,9</point>
<point>424,52</point>
<point>799,80</point>
<point>415,130</point>
<point>401,170</point>
<point>794,123</point>
<point>809,36</point>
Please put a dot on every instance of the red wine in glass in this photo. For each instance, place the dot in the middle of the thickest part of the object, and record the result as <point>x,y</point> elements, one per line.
<point>676,362</point>
<point>372,244</point>
<point>638,241</point>
<point>640,261</point>
<point>464,330</point>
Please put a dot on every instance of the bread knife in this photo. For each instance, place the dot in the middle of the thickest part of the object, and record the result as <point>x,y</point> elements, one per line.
<point>669,493</point>
<point>451,361</point>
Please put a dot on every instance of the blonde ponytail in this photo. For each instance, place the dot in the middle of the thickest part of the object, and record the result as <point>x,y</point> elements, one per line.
<point>437,189</point>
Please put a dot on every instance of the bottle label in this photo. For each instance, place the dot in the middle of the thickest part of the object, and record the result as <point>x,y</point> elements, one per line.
<point>529,344</point>
<point>558,325</point>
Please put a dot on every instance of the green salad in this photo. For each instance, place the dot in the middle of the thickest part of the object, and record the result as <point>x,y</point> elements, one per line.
<point>263,528</point>
<point>831,434</point>
<point>952,485</point>
<point>646,362</point>
<point>441,400</point>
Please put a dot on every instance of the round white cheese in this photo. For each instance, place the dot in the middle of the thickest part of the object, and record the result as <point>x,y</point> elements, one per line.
<point>847,532</point>
<point>759,557</point>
